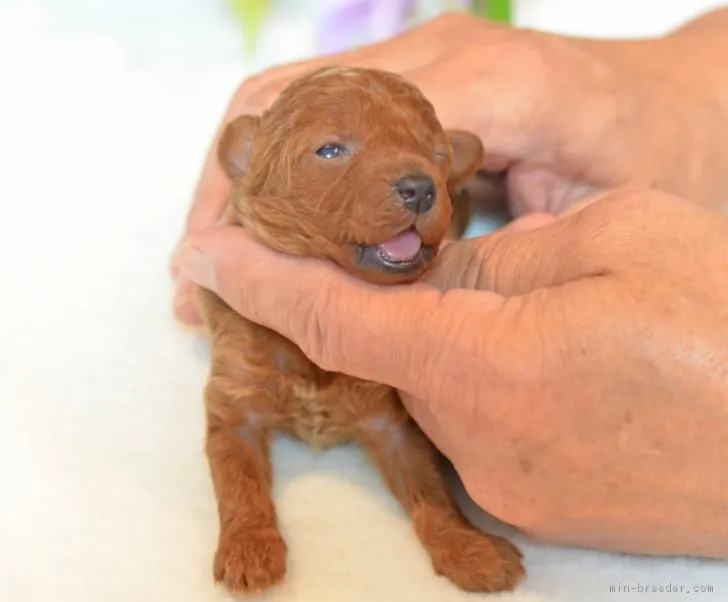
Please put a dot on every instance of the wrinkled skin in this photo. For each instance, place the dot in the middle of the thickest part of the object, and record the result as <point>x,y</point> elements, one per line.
<point>575,374</point>
<point>574,366</point>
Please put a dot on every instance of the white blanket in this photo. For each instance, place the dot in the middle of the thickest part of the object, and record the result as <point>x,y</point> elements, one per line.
<point>105,112</point>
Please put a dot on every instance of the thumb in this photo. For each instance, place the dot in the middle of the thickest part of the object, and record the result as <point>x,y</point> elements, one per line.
<point>340,323</point>
<point>549,253</point>
<point>283,293</point>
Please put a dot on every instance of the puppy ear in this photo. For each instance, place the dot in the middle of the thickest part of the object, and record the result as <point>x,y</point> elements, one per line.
<point>467,156</point>
<point>235,148</point>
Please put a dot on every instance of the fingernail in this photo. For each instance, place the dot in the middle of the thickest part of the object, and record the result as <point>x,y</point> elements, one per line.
<point>196,266</point>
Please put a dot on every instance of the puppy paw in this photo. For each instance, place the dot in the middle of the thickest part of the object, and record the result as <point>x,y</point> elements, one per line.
<point>476,561</point>
<point>250,561</point>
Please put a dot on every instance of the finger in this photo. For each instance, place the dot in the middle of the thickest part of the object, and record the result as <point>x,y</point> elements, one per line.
<point>492,100</point>
<point>186,308</point>
<point>263,94</point>
<point>213,189</point>
<point>577,206</point>
<point>404,53</point>
<point>517,261</point>
<point>378,55</point>
<point>340,323</point>
<point>212,192</point>
<point>529,222</point>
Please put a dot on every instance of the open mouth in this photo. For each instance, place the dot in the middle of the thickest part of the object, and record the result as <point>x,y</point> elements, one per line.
<point>403,253</point>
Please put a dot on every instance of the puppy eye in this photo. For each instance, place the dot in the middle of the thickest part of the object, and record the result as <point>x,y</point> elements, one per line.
<point>332,151</point>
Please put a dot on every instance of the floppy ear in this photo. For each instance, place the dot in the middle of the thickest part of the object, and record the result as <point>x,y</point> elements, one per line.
<point>235,148</point>
<point>467,156</point>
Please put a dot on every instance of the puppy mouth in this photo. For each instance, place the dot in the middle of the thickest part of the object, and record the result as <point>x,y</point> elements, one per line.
<point>403,253</point>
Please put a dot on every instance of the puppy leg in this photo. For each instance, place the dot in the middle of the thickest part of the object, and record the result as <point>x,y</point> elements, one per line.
<point>251,554</point>
<point>410,464</point>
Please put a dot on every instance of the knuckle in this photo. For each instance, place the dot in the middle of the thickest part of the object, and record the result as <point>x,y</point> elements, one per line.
<point>487,262</point>
<point>483,263</point>
<point>457,266</point>
<point>471,264</point>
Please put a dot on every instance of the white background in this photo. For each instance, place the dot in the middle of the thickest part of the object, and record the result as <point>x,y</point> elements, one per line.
<point>106,109</point>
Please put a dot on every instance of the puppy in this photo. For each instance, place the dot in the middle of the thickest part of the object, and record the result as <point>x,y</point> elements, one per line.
<point>353,166</point>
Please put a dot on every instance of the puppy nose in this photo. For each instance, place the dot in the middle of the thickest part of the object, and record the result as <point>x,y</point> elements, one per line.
<point>417,193</point>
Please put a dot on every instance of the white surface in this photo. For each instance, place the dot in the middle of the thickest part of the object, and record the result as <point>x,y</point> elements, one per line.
<point>105,112</point>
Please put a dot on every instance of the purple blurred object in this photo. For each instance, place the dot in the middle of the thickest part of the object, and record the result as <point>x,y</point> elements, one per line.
<point>351,23</point>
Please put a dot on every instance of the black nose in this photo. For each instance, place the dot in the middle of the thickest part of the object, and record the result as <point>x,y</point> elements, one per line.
<point>417,193</point>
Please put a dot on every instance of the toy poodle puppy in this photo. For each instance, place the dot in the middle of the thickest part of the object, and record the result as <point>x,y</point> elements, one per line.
<point>351,165</point>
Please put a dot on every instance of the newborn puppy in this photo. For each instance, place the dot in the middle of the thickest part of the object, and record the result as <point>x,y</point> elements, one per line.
<point>353,166</point>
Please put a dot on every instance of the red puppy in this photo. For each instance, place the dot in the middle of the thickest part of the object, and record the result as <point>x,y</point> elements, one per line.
<point>351,165</point>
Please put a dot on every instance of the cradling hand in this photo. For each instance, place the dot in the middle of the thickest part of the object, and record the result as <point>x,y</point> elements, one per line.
<point>564,116</point>
<point>576,374</point>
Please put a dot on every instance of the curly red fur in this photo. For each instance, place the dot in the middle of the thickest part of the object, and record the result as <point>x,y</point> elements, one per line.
<point>295,202</point>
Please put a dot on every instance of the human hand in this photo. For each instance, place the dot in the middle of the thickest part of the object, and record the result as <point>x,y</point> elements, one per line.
<point>563,116</point>
<point>576,374</point>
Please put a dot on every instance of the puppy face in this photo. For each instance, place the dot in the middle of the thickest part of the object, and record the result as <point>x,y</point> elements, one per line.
<point>351,165</point>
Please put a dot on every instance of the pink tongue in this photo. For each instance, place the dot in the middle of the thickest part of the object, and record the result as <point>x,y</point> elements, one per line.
<point>403,247</point>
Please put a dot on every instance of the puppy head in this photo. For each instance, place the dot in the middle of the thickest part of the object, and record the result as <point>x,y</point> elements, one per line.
<point>351,165</point>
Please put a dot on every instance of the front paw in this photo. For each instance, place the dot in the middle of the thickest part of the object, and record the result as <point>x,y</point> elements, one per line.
<point>476,561</point>
<point>250,561</point>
